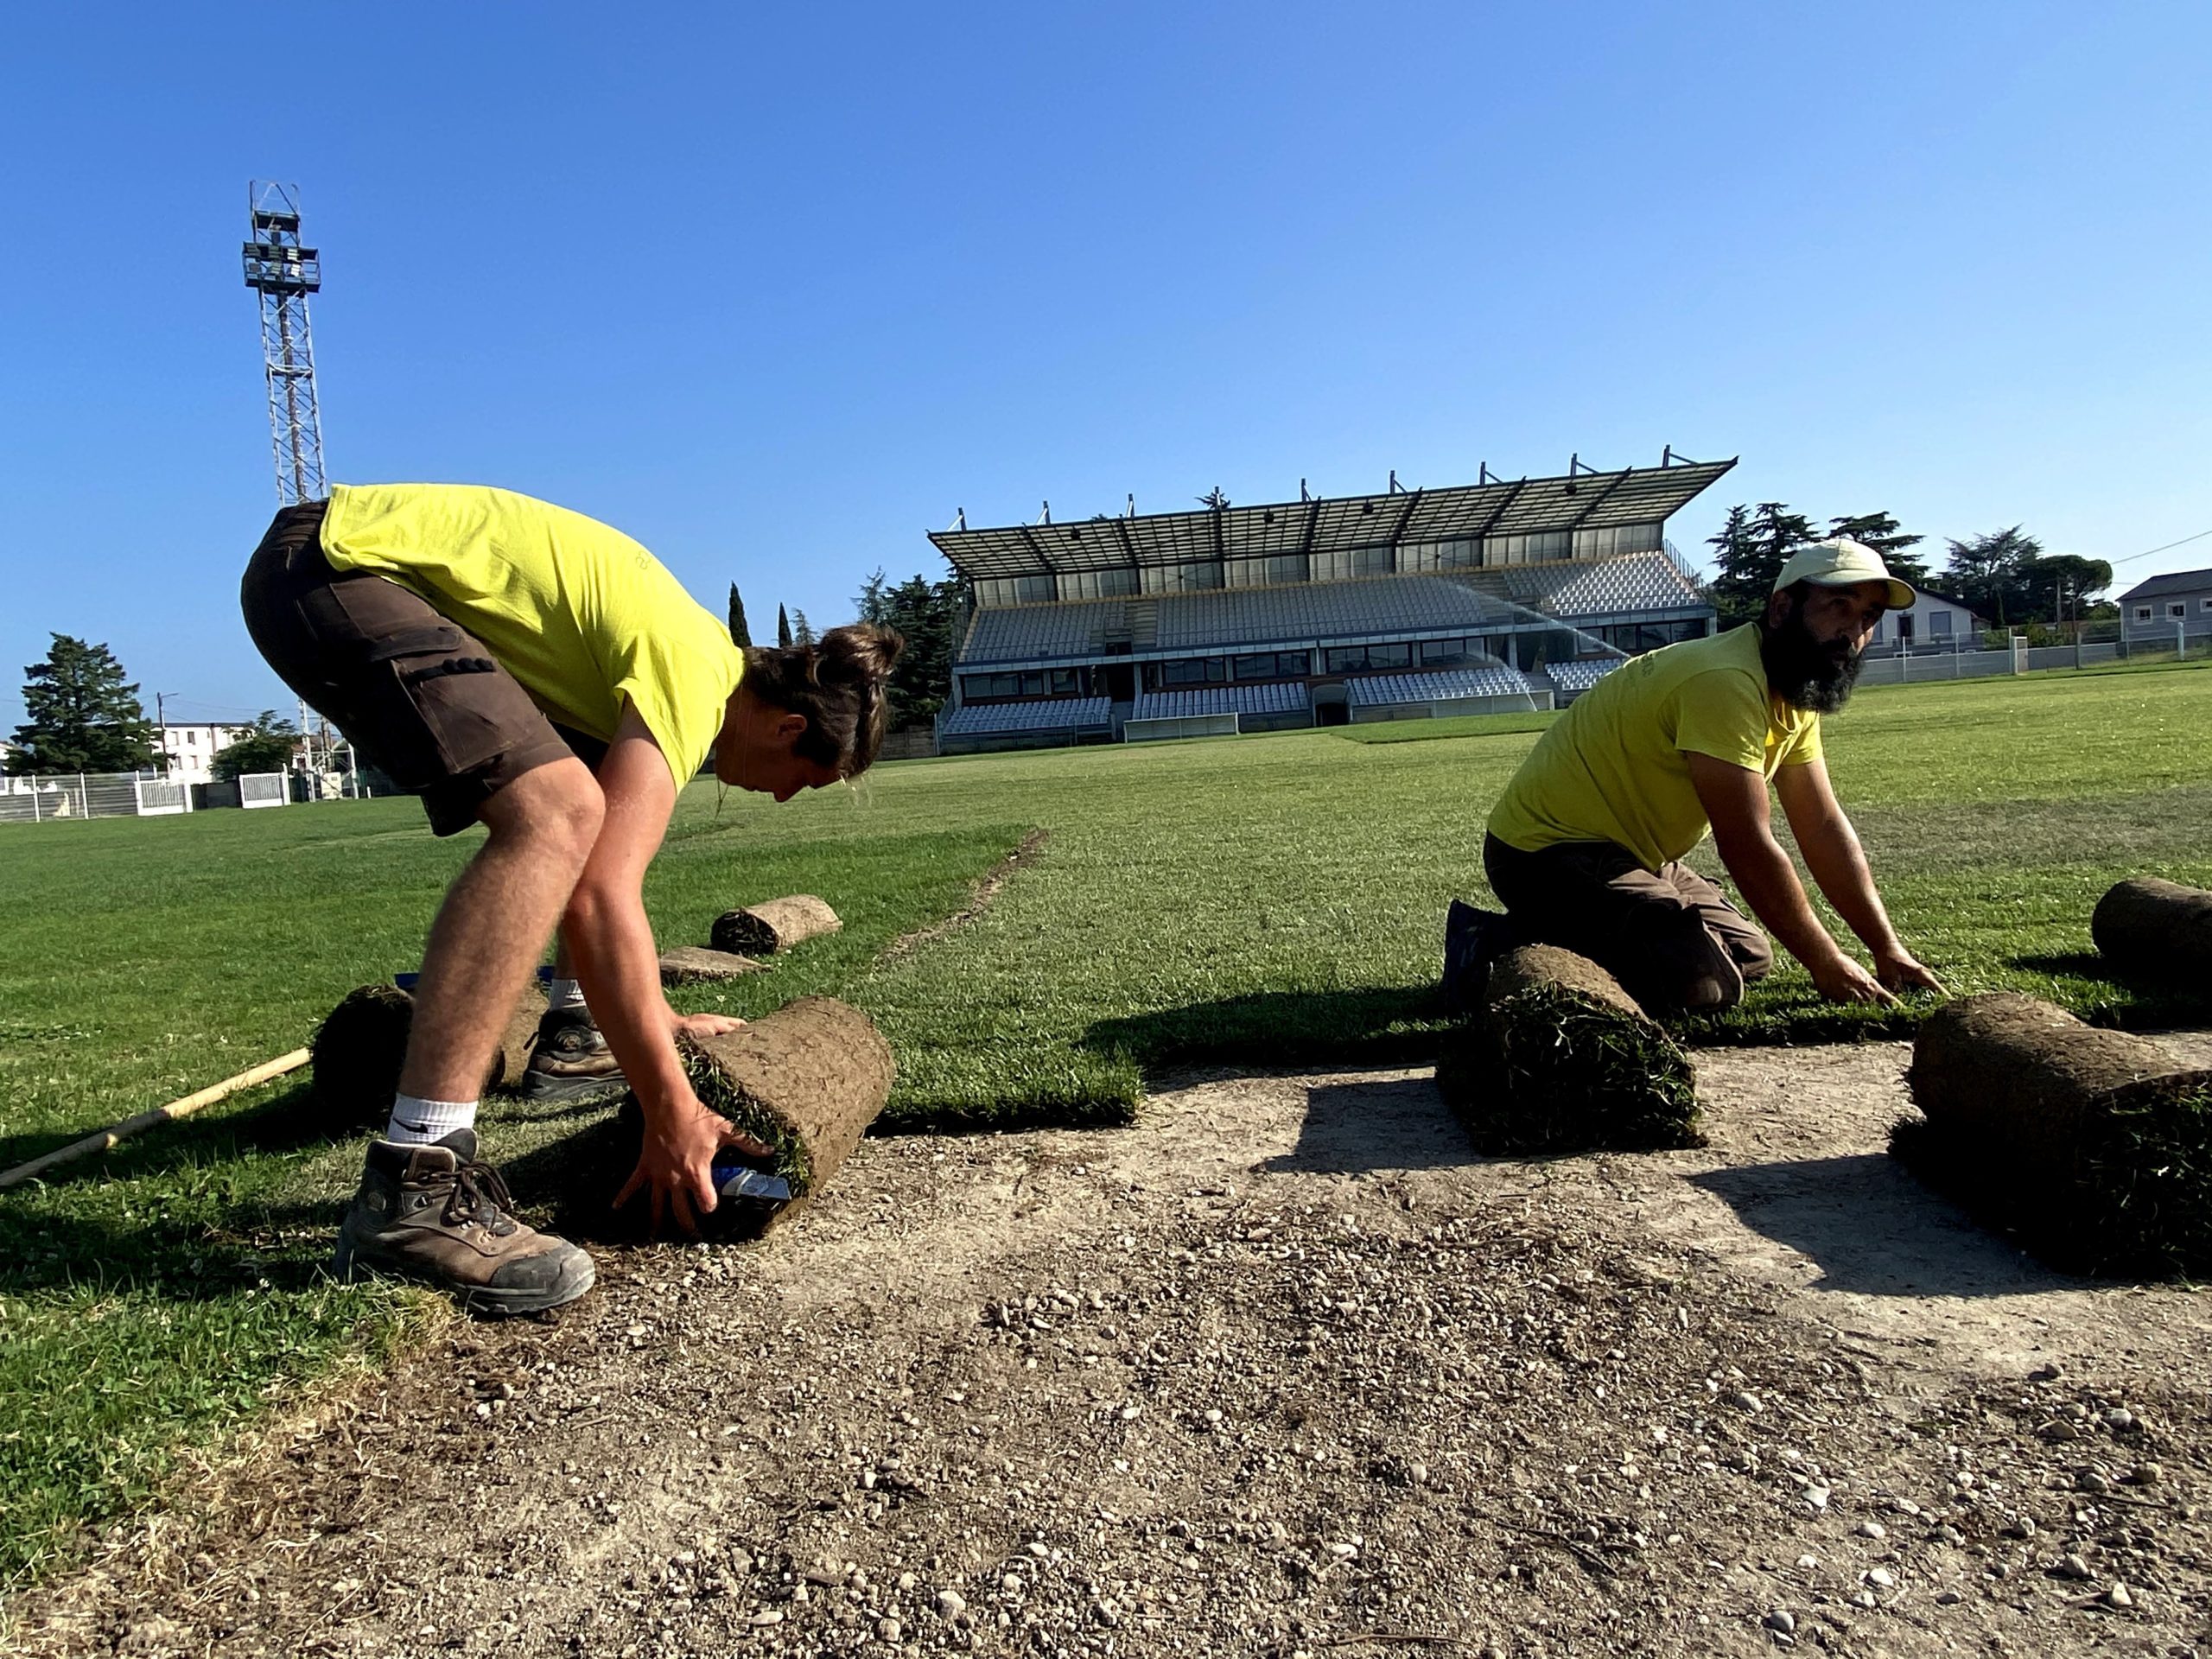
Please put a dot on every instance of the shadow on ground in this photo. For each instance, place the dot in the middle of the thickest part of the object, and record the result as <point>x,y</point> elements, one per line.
<point>1386,1026</point>
<point>1874,1229</point>
<point>1383,1123</point>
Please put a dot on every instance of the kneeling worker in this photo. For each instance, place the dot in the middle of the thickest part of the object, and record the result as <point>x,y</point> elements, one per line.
<point>524,667</point>
<point>1586,845</point>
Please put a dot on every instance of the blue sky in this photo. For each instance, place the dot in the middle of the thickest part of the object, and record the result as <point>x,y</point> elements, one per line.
<point>777,293</point>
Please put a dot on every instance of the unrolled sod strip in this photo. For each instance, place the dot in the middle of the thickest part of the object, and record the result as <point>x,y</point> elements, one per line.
<point>807,1079</point>
<point>2155,927</point>
<point>360,1044</point>
<point>777,925</point>
<point>687,964</point>
<point>2088,1143</point>
<point>1559,1059</point>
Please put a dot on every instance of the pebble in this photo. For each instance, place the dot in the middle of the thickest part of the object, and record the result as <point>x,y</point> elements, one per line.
<point>889,1629</point>
<point>1817,1496</point>
<point>2120,1420</point>
<point>2073,1567</point>
<point>1882,1579</point>
<point>2145,1474</point>
<point>952,1603</point>
<point>2119,1597</point>
<point>1948,1599</point>
<point>907,1581</point>
<point>1872,1529</point>
<point>1809,1563</point>
<point>1782,1621</point>
<point>1865,1598</point>
<point>2090,1481</point>
<point>1744,1400</point>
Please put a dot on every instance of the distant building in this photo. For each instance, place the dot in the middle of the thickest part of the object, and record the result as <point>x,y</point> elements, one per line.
<point>188,752</point>
<point>2150,610</point>
<point>1505,594</point>
<point>1932,621</point>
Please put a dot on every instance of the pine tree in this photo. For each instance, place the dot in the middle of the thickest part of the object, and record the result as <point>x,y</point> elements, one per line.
<point>1993,574</point>
<point>783,629</point>
<point>802,629</point>
<point>1881,531</point>
<point>739,633</point>
<point>870,602</point>
<point>83,715</point>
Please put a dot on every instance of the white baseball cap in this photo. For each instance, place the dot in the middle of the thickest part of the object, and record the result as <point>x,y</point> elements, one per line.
<point>1843,563</point>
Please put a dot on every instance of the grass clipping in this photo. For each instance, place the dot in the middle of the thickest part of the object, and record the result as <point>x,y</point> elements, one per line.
<point>1559,1058</point>
<point>2086,1143</point>
<point>359,1045</point>
<point>2158,928</point>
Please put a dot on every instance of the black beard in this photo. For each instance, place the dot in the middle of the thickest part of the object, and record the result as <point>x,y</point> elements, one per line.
<point>1803,672</point>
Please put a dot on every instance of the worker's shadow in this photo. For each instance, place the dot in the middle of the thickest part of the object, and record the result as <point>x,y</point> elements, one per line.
<point>1372,1124</point>
<point>2159,998</point>
<point>1871,1227</point>
<point>285,1122</point>
<point>1376,1027</point>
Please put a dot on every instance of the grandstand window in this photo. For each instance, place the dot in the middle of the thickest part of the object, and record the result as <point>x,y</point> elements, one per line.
<point>1098,584</point>
<point>1182,578</point>
<point>1441,556</point>
<point>1270,666</point>
<point>1276,567</point>
<point>1190,671</point>
<point>1452,653</point>
<point>1031,682</point>
<point>1615,540</point>
<point>1347,659</point>
<point>1531,549</point>
<point>1353,562</point>
<point>1014,590</point>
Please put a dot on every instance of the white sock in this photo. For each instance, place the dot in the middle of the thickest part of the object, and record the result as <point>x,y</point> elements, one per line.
<point>564,994</point>
<point>418,1123</point>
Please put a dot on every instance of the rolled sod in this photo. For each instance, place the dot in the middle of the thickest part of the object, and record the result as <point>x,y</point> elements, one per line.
<point>1559,1059</point>
<point>687,964</point>
<point>777,925</point>
<point>807,1080</point>
<point>360,1043</point>
<point>2154,927</point>
<point>2088,1144</point>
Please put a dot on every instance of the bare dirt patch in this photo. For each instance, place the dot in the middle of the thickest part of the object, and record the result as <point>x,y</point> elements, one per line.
<point>1282,1368</point>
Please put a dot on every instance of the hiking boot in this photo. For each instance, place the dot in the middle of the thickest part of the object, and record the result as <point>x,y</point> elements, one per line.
<point>1474,939</point>
<point>570,1060</point>
<point>436,1214</point>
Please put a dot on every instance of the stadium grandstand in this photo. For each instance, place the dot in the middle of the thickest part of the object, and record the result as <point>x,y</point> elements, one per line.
<point>1479,598</point>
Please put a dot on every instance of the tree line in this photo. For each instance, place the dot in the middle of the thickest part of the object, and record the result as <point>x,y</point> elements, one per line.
<point>81,715</point>
<point>928,613</point>
<point>2004,575</point>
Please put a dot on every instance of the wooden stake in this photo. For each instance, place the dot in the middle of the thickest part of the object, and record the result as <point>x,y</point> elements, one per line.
<point>175,1108</point>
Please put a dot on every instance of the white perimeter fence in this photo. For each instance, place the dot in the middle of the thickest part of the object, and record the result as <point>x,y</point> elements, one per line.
<point>1904,668</point>
<point>124,795</point>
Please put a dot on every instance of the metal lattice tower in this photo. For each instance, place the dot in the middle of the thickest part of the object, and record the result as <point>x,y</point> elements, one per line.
<point>283,273</point>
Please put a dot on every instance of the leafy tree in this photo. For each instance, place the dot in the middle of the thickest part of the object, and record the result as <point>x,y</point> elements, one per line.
<point>267,747</point>
<point>1992,574</point>
<point>1882,532</point>
<point>783,629</point>
<point>2059,586</point>
<point>739,633</point>
<point>929,614</point>
<point>1748,554</point>
<point>84,715</point>
<point>802,629</point>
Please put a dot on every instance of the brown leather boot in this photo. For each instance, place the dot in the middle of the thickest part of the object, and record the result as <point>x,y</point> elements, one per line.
<point>571,1060</point>
<point>436,1214</point>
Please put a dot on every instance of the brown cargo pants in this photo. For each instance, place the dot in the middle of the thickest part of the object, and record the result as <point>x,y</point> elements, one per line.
<point>1672,939</point>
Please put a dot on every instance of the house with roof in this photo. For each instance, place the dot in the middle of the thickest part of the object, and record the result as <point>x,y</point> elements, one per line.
<point>2150,609</point>
<point>1932,622</point>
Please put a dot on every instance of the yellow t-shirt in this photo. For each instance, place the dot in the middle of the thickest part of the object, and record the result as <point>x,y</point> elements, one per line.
<point>1615,767</point>
<point>580,615</point>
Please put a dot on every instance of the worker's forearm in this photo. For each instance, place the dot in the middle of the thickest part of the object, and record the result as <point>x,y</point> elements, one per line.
<point>1764,875</point>
<point>1838,865</point>
<point>612,945</point>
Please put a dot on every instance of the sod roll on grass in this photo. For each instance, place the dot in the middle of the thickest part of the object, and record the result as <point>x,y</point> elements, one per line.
<point>2088,1144</point>
<point>807,1079</point>
<point>687,964</point>
<point>2159,928</point>
<point>763,929</point>
<point>1559,1058</point>
<point>358,1047</point>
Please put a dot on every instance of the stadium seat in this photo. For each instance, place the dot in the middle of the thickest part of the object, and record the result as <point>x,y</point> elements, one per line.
<point>1576,678</point>
<point>1273,699</point>
<point>1380,690</point>
<point>1053,714</point>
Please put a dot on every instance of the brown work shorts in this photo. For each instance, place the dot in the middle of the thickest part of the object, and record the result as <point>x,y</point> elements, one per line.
<point>416,695</point>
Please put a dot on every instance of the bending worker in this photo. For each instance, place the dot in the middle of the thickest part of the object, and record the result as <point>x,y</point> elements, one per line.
<point>523,667</point>
<point>1586,845</point>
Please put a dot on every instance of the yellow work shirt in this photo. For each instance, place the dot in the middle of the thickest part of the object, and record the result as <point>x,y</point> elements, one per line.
<point>580,615</point>
<point>1615,766</point>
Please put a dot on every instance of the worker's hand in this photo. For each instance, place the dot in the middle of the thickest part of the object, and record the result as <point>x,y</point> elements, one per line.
<point>676,1168</point>
<point>1899,971</point>
<point>1842,979</point>
<point>702,1025</point>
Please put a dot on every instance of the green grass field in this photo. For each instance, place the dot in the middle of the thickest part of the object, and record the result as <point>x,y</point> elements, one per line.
<point>1265,900</point>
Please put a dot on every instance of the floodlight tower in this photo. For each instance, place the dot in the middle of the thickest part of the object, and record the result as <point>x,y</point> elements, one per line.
<point>283,273</point>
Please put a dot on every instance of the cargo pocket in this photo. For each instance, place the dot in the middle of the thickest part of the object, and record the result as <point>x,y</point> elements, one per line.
<point>470,708</point>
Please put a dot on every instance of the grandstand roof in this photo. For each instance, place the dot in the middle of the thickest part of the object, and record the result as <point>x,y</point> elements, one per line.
<point>1578,501</point>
